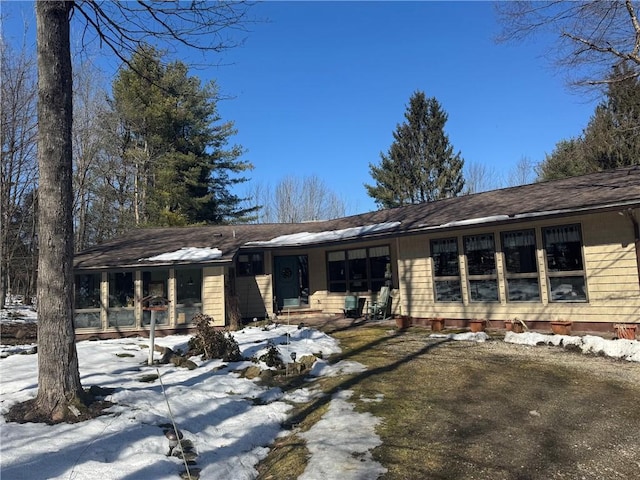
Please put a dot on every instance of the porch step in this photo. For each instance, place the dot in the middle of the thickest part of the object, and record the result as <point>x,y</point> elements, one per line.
<point>300,313</point>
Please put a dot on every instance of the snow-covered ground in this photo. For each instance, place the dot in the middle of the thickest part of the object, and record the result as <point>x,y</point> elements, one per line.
<point>230,420</point>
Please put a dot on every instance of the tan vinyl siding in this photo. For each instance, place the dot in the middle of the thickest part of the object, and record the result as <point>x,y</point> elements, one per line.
<point>318,298</point>
<point>171,294</point>
<point>610,268</point>
<point>213,294</point>
<point>254,294</point>
<point>104,299</point>
<point>610,261</point>
<point>415,296</point>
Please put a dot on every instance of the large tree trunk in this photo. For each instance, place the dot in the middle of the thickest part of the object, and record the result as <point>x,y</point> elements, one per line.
<point>58,374</point>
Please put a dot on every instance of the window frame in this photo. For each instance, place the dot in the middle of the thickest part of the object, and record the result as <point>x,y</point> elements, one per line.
<point>520,275</point>
<point>483,277</point>
<point>445,278</point>
<point>121,314</point>
<point>553,274</point>
<point>250,267</point>
<point>345,282</point>
<point>183,309</point>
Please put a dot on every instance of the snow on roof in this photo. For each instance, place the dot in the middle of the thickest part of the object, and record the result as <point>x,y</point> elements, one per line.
<point>196,254</point>
<point>476,221</point>
<point>304,238</point>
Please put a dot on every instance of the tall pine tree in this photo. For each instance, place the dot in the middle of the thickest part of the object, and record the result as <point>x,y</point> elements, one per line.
<point>177,144</point>
<point>421,165</point>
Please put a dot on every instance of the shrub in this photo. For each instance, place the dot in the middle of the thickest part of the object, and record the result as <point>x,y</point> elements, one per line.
<point>272,358</point>
<point>212,343</point>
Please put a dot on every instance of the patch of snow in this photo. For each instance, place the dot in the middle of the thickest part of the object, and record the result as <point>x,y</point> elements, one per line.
<point>338,450</point>
<point>323,369</point>
<point>303,395</point>
<point>463,337</point>
<point>305,238</point>
<point>196,254</point>
<point>476,221</point>
<point>18,314</point>
<point>621,348</point>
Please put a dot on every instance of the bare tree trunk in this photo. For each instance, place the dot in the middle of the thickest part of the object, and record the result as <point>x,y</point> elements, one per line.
<point>58,374</point>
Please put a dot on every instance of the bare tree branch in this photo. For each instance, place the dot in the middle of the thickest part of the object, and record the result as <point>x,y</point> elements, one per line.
<point>590,36</point>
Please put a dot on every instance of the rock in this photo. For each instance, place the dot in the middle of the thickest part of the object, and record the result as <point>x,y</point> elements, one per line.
<point>251,372</point>
<point>308,361</point>
<point>266,375</point>
<point>179,361</point>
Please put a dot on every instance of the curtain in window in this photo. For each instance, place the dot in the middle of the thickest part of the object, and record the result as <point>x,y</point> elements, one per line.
<point>379,251</point>
<point>478,242</point>
<point>357,254</point>
<point>518,239</point>
<point>564,234</point>
<point>336,256</point>
<point>449,245</point>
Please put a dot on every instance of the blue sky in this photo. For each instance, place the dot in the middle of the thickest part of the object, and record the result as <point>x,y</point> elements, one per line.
<point>319,88</point>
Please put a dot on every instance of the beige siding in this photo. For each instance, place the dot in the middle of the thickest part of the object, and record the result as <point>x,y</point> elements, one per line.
<point>171,295</point>
<point>610,258</point>
<point>254,294</point>
<point>104,299</point>
<point>610,268</point>
<point>415,296</point>
<point>318,298</point>
<point>213,294</point>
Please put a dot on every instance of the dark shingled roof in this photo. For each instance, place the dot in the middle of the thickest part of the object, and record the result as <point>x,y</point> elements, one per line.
<point>604,190</point>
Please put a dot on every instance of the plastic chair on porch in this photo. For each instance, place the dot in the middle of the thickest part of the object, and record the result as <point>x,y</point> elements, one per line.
<point>351,306</point>
<point>378,309</point>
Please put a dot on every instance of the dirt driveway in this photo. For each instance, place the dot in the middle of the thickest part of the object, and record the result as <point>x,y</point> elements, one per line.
<point>466,410</point>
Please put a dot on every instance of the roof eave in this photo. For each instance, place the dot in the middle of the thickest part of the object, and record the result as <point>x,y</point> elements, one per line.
<point>139,265</point>
<point>521,217</point>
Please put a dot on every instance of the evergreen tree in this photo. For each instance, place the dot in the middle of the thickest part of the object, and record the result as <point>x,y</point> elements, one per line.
<point>420,165</point>
<point>567,160</point>
<point>610,140</point>
<point>177,144</point>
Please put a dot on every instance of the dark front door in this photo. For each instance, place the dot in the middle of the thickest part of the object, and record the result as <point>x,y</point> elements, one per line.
<point>291,280</point>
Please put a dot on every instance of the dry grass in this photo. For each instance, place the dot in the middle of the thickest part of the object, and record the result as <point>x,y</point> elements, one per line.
<point>456,410</point>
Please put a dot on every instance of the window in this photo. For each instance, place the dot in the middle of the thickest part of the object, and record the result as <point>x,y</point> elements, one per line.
<point>359,270</point>
<point>446,270</point>
<point>121,299</point>
<point>250,264</point>
<point>87,291</point>
<point>188,294</point>
<point>337,268</point>
<point>565,267</point>
<point>87,301</point>
<point>481,267</point>
<point>154,284</point>
<point>380,267</point>
<point>521,266</point>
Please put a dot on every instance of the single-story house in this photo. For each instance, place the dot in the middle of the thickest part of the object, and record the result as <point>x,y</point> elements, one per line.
<point>565,250</point>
